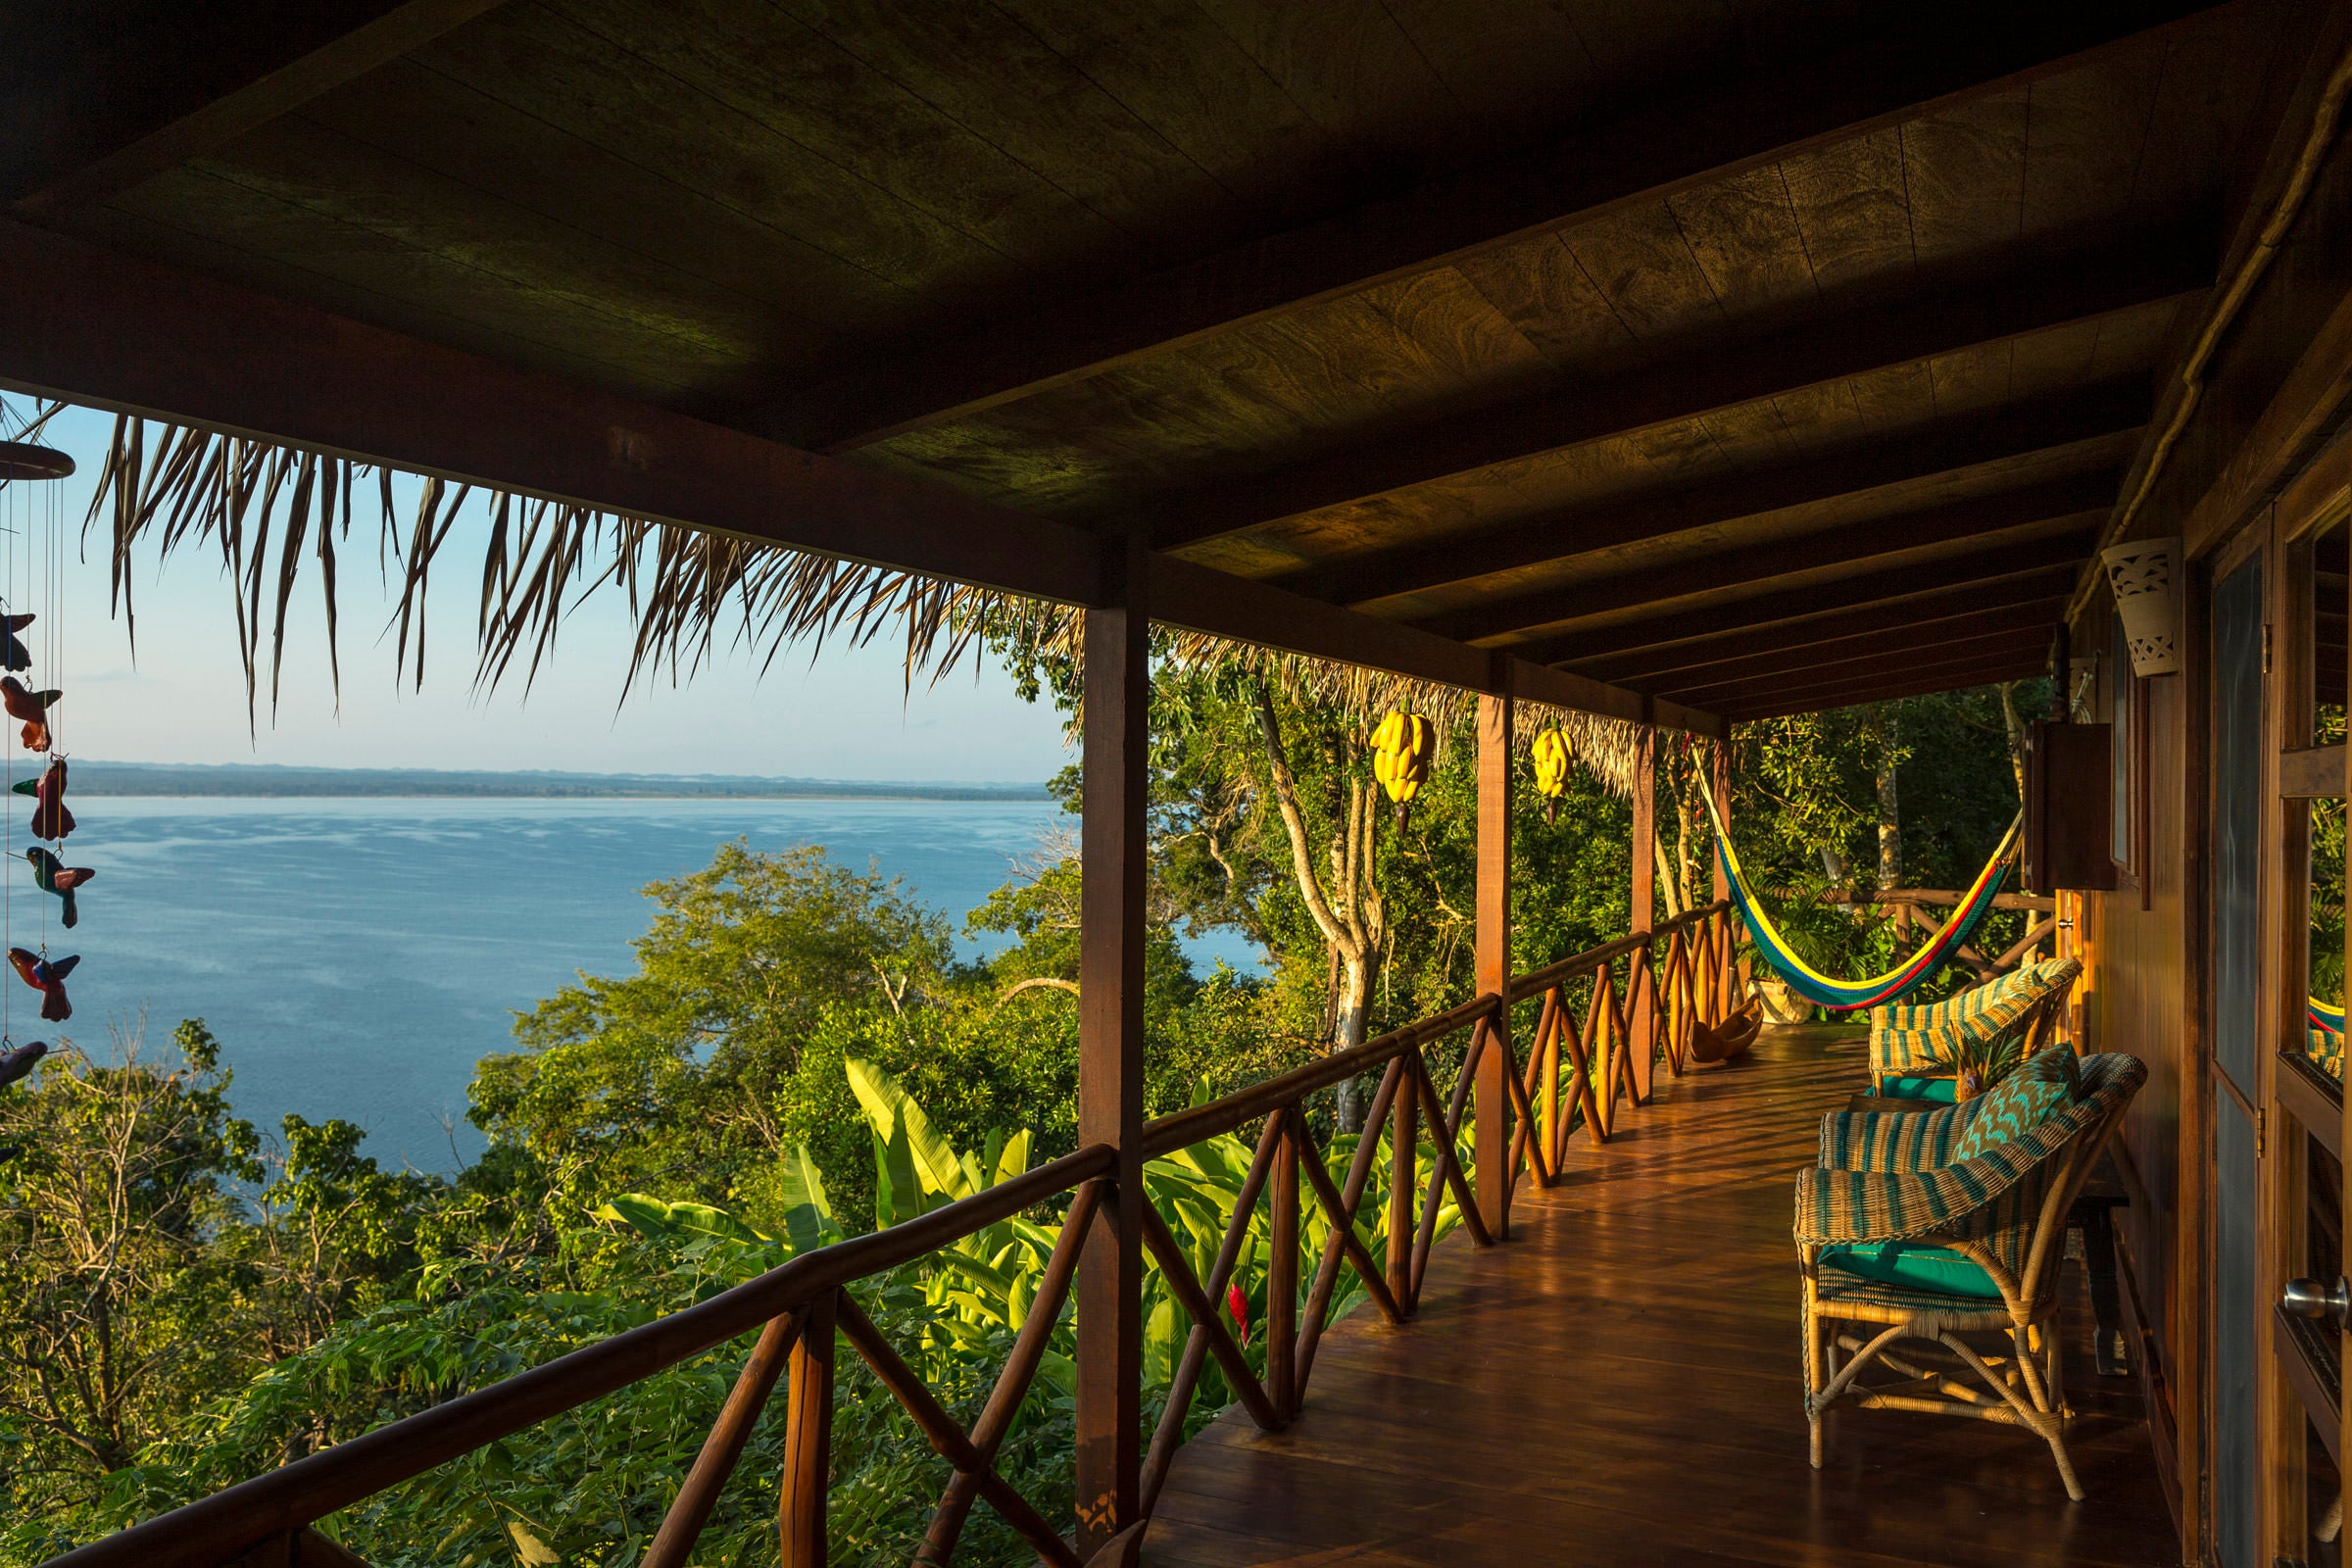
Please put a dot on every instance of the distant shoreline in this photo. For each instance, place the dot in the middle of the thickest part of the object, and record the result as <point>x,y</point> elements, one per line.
<point>265,781</point>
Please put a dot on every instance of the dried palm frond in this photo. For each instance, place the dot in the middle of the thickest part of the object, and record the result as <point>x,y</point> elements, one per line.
<point>180,485</point>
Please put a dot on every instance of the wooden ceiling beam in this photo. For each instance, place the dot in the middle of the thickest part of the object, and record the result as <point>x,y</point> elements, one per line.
<point>1988,569</point>
<point>1638,665</point>
<point>2083,499</point>
<point>1936,317</point>
<point>89,326</point>
<point>1923,653</point>
<point>96,101</point>
<point>1914,58</point>
<point>2039,615</point>
<point>1921,682</point>
<point>2117,408</point>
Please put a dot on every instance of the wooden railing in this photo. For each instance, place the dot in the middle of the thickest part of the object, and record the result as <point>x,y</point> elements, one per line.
<point>1673,978</point>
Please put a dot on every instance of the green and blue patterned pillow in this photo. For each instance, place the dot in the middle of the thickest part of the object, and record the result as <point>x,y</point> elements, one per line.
<point>2020,1103</point>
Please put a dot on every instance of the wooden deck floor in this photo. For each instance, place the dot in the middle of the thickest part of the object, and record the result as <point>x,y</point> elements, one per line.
<point>1619,1384</point>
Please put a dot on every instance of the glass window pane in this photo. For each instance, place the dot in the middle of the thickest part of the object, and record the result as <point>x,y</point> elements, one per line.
<point>2324,1013</point>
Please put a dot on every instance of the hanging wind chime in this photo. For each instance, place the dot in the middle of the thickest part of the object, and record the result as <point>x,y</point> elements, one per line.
<point>33,551</point>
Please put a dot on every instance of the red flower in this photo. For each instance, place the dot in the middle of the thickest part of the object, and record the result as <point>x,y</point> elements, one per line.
<point>1238,1305</point>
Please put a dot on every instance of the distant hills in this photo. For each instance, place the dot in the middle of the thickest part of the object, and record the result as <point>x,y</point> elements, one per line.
<point>268,779</point>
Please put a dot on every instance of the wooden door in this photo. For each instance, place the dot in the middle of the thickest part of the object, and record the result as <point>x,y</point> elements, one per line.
<point>2235,954</point>
<point>2308,1425</point>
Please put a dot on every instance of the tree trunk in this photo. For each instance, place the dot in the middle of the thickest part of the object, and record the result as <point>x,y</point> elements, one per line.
<point>2016,723</point>
<point>1890,820</point>
<point>1355,1008</point>
<point>1682,844</point>
<point>1350,915</point>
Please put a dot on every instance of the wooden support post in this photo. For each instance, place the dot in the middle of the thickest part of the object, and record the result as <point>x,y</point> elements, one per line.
<point>1641,1044</point>
<point>1491,1142</point>
<point>1721,783</point>
<point>808,1440</point>
<point>1111,1048</point>
<point>1405,1179</point>
<point>1282,1273</point>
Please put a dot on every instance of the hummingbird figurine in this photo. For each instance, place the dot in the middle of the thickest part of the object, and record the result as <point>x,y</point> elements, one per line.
<point>50,819</point>
<point>12,651</point>
<point>48,977</point>
<point>15,1064</point>
<point>51,875</point>
<point>32,706</point>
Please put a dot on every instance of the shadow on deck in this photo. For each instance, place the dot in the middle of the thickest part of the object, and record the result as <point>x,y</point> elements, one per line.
<point>1620,1384</point>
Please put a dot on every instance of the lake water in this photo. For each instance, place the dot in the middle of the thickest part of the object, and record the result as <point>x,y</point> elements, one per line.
<point>356,956</point>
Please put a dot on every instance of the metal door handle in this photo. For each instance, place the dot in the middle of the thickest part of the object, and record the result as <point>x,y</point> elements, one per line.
<point>2311,1298</point>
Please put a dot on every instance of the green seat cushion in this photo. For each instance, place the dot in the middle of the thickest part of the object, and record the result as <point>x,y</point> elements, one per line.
<point>1941,1090</point>
<point>2018,1103</point>
<point>1912,1265</point>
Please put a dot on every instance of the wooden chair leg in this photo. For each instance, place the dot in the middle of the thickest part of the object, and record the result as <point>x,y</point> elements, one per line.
<point>1817,1374</point>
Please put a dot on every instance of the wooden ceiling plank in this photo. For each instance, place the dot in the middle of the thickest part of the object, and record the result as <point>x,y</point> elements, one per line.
<point>549,64</point>
<point>1927,55</point>
<point>2111,409</point>
<point>1647,663</point>
<point>2085,499</point>
<point>1964,165</point>
<point>2039,615</point>
<point>350,185</point>
<point>1851,343</point>
<point>442,124</point>
<point>1544,290</point>
<point>1985,568</point>
<point>2086,135</point>
<point>1635,665</point>
<point>1852,208</point>
<point>1020,94</point>
<point>273,237</point>
<point>1744,234</point>
<point>828,107</point>
<point>113,331</point>
<point>1913,683</point>
<point>1930,652</point>
<point>1169,63</point>
<point>97,106</point>
<point>1925,680</point>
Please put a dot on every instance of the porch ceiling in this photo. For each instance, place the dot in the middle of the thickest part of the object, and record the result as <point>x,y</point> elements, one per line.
<point>1741,355</point>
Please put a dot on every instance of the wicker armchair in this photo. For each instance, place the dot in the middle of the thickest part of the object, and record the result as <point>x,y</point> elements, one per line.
<point>1913,1047</point>
<point>1984,1243</point>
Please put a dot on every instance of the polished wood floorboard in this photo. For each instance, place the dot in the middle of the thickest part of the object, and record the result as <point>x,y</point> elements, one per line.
<point>1619,1384</point>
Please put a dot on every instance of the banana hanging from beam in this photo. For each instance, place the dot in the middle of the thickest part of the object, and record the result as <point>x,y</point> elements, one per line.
<point>1553,761</point>
<point>1403,748</point>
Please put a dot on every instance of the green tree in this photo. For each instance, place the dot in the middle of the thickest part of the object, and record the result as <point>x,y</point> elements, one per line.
<point>672,1075</point>
<point>122,1313</point>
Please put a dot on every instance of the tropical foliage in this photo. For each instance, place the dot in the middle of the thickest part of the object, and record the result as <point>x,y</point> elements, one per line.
<point>799,1054</point>
<point>590,1486</point>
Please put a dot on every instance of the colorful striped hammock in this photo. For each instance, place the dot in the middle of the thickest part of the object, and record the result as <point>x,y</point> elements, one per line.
<point>1845,996</point>
<point>2322,1016</point>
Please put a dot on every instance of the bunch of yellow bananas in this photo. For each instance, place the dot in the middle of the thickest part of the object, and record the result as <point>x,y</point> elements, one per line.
<point>1553,759</point>
<point>1402,749</point>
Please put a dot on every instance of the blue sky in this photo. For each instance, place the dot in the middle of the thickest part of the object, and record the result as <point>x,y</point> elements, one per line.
<point>845,715</point>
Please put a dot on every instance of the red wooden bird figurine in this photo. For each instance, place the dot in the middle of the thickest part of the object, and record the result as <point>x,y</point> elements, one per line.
<point>52,876</point>
<point>50,819</point>
<point>11,652</point>
<point>29,706</point>
<point>48,977</point>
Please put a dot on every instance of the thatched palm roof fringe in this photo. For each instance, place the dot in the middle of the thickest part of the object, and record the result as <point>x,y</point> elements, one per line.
<point>190,485</point>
